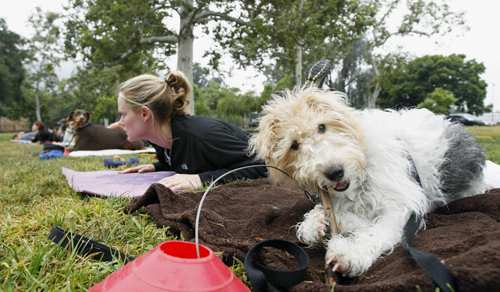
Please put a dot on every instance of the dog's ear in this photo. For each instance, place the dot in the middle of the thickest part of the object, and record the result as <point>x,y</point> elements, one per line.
<point>325,101</point>
<point>71,116</point>
<point>89,116</point>
<point>264,142</point>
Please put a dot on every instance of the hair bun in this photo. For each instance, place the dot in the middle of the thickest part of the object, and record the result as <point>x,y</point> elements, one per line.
<point>169,82</point>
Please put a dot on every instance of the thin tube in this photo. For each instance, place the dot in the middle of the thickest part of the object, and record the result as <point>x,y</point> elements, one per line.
<point>208,189</point>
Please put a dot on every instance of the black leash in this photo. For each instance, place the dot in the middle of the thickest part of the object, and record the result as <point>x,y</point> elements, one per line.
<point>264,278</point>
<point>86,246</point>
<point>430,263</point>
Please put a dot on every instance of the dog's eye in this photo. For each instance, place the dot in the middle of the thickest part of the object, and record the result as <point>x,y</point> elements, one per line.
<point>295,145</point>
<point>321,128</point>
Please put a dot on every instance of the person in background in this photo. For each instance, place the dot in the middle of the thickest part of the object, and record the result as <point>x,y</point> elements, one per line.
<point>199,149</point>
<point>43,135</point>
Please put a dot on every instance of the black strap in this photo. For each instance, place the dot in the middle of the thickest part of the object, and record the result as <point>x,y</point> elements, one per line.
<point>430,263</point>
<point>86,246</point>
<point>264,278</point>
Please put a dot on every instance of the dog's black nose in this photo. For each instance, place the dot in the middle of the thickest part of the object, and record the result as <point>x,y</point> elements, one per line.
<point>335,173</point>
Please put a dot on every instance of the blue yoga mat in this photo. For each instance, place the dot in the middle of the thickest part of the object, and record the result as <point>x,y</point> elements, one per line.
<point>109,183</point>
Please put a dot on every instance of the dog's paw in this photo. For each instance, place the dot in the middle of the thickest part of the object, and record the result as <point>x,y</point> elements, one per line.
<point>314,227</point>
<point>348,257</point>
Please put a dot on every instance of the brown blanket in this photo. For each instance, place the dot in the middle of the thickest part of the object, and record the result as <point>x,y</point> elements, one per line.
<point>465,234</point>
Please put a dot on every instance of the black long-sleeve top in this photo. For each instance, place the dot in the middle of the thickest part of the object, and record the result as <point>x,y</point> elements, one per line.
<point>46,136</point>
<point>208,147</point>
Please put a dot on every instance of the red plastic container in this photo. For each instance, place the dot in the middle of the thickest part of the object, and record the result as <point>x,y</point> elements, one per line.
<point>173,266</point>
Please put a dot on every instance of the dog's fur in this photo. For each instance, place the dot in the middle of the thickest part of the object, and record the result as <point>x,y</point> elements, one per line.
<point>363,158</point>
<point>69,133</point>
<point>94,137</point>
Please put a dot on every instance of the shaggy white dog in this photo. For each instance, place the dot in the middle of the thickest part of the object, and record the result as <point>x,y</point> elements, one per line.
<point>364,160</point>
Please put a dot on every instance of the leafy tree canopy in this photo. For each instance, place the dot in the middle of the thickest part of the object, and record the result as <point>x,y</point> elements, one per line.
<point>363,70</point>
<point>11,68</point>
<point>288,33</point>
<point>413,81</point>
<point>439,101</point>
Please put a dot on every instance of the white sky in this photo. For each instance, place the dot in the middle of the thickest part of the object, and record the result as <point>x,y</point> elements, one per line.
<point>480,43</point>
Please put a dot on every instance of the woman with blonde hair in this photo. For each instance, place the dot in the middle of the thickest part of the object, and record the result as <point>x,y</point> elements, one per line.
<point>199,149</point>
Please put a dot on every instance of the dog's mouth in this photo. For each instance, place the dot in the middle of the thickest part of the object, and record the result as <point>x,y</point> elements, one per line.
<point>79,124</point>
<point>341,186</point>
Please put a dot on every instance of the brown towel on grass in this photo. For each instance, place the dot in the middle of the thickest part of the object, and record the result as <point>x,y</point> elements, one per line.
<point>465,234</point>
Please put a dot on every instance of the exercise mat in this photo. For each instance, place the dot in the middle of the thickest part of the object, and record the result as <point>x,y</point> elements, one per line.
<point>109,183</point>
<point>108,152</point>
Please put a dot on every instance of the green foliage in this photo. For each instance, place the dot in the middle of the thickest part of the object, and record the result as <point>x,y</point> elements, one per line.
<point>265,96</point>
<point>106,108</point>
<point>285,83</point>
<point>414,80</point>
<point>279,28</point>
<point>11,69</point>
<point>44,50</point>
<point>201,107</point>
<point>363,70</point>
<point>230,105</point>
<point>200,76</point>
<point>213,93</point>
<point>109,33</point>
<point>439,101</point>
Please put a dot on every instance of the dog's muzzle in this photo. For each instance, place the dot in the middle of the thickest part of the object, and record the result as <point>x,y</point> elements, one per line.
<point>336,175</point>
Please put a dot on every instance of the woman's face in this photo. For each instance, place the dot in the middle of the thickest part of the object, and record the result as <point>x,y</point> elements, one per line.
<point>34,128</point>
<point>132,122</point>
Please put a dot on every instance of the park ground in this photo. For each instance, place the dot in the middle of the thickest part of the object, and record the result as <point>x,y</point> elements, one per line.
<point>34,197</point>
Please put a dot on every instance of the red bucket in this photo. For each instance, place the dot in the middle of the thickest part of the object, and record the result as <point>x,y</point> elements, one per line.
<point>173,266</point>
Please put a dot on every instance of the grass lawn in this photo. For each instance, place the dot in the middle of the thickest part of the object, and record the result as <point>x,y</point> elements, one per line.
<point>489,138</point>
<point>34,197</point>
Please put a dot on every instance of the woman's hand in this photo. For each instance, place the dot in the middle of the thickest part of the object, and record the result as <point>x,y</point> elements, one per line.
<point>180,182</point>
<point>140,169</point>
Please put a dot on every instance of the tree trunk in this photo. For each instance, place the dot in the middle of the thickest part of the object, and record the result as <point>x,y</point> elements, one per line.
<point>185,53</point>
<point>298,66</point>
<point>372,99</point>
<point>37,101</point>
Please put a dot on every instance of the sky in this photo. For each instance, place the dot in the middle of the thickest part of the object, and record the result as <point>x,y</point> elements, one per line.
<point>480,43</point>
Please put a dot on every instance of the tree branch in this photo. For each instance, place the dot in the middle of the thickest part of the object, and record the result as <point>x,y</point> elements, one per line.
<point>121,59</point>
<point>172,39</point>
<point>206,16</point>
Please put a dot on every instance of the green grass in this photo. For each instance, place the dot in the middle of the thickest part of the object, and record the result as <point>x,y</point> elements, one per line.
<point>489,139</point>
<point>34,197</point>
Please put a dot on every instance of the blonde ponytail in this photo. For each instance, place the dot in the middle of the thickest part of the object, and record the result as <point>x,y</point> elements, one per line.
<point>165,98</point>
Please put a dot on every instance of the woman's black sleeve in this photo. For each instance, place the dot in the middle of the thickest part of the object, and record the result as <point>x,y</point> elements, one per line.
<point>223,151</point>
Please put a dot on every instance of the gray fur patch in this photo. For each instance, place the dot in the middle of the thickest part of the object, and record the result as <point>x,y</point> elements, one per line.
<point>464,162</point>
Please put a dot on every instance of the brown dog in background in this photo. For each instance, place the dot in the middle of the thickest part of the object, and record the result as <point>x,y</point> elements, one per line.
<point>94,137</point>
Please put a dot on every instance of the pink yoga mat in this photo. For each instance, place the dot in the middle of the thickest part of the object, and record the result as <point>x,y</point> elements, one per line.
<point>109,183</point>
